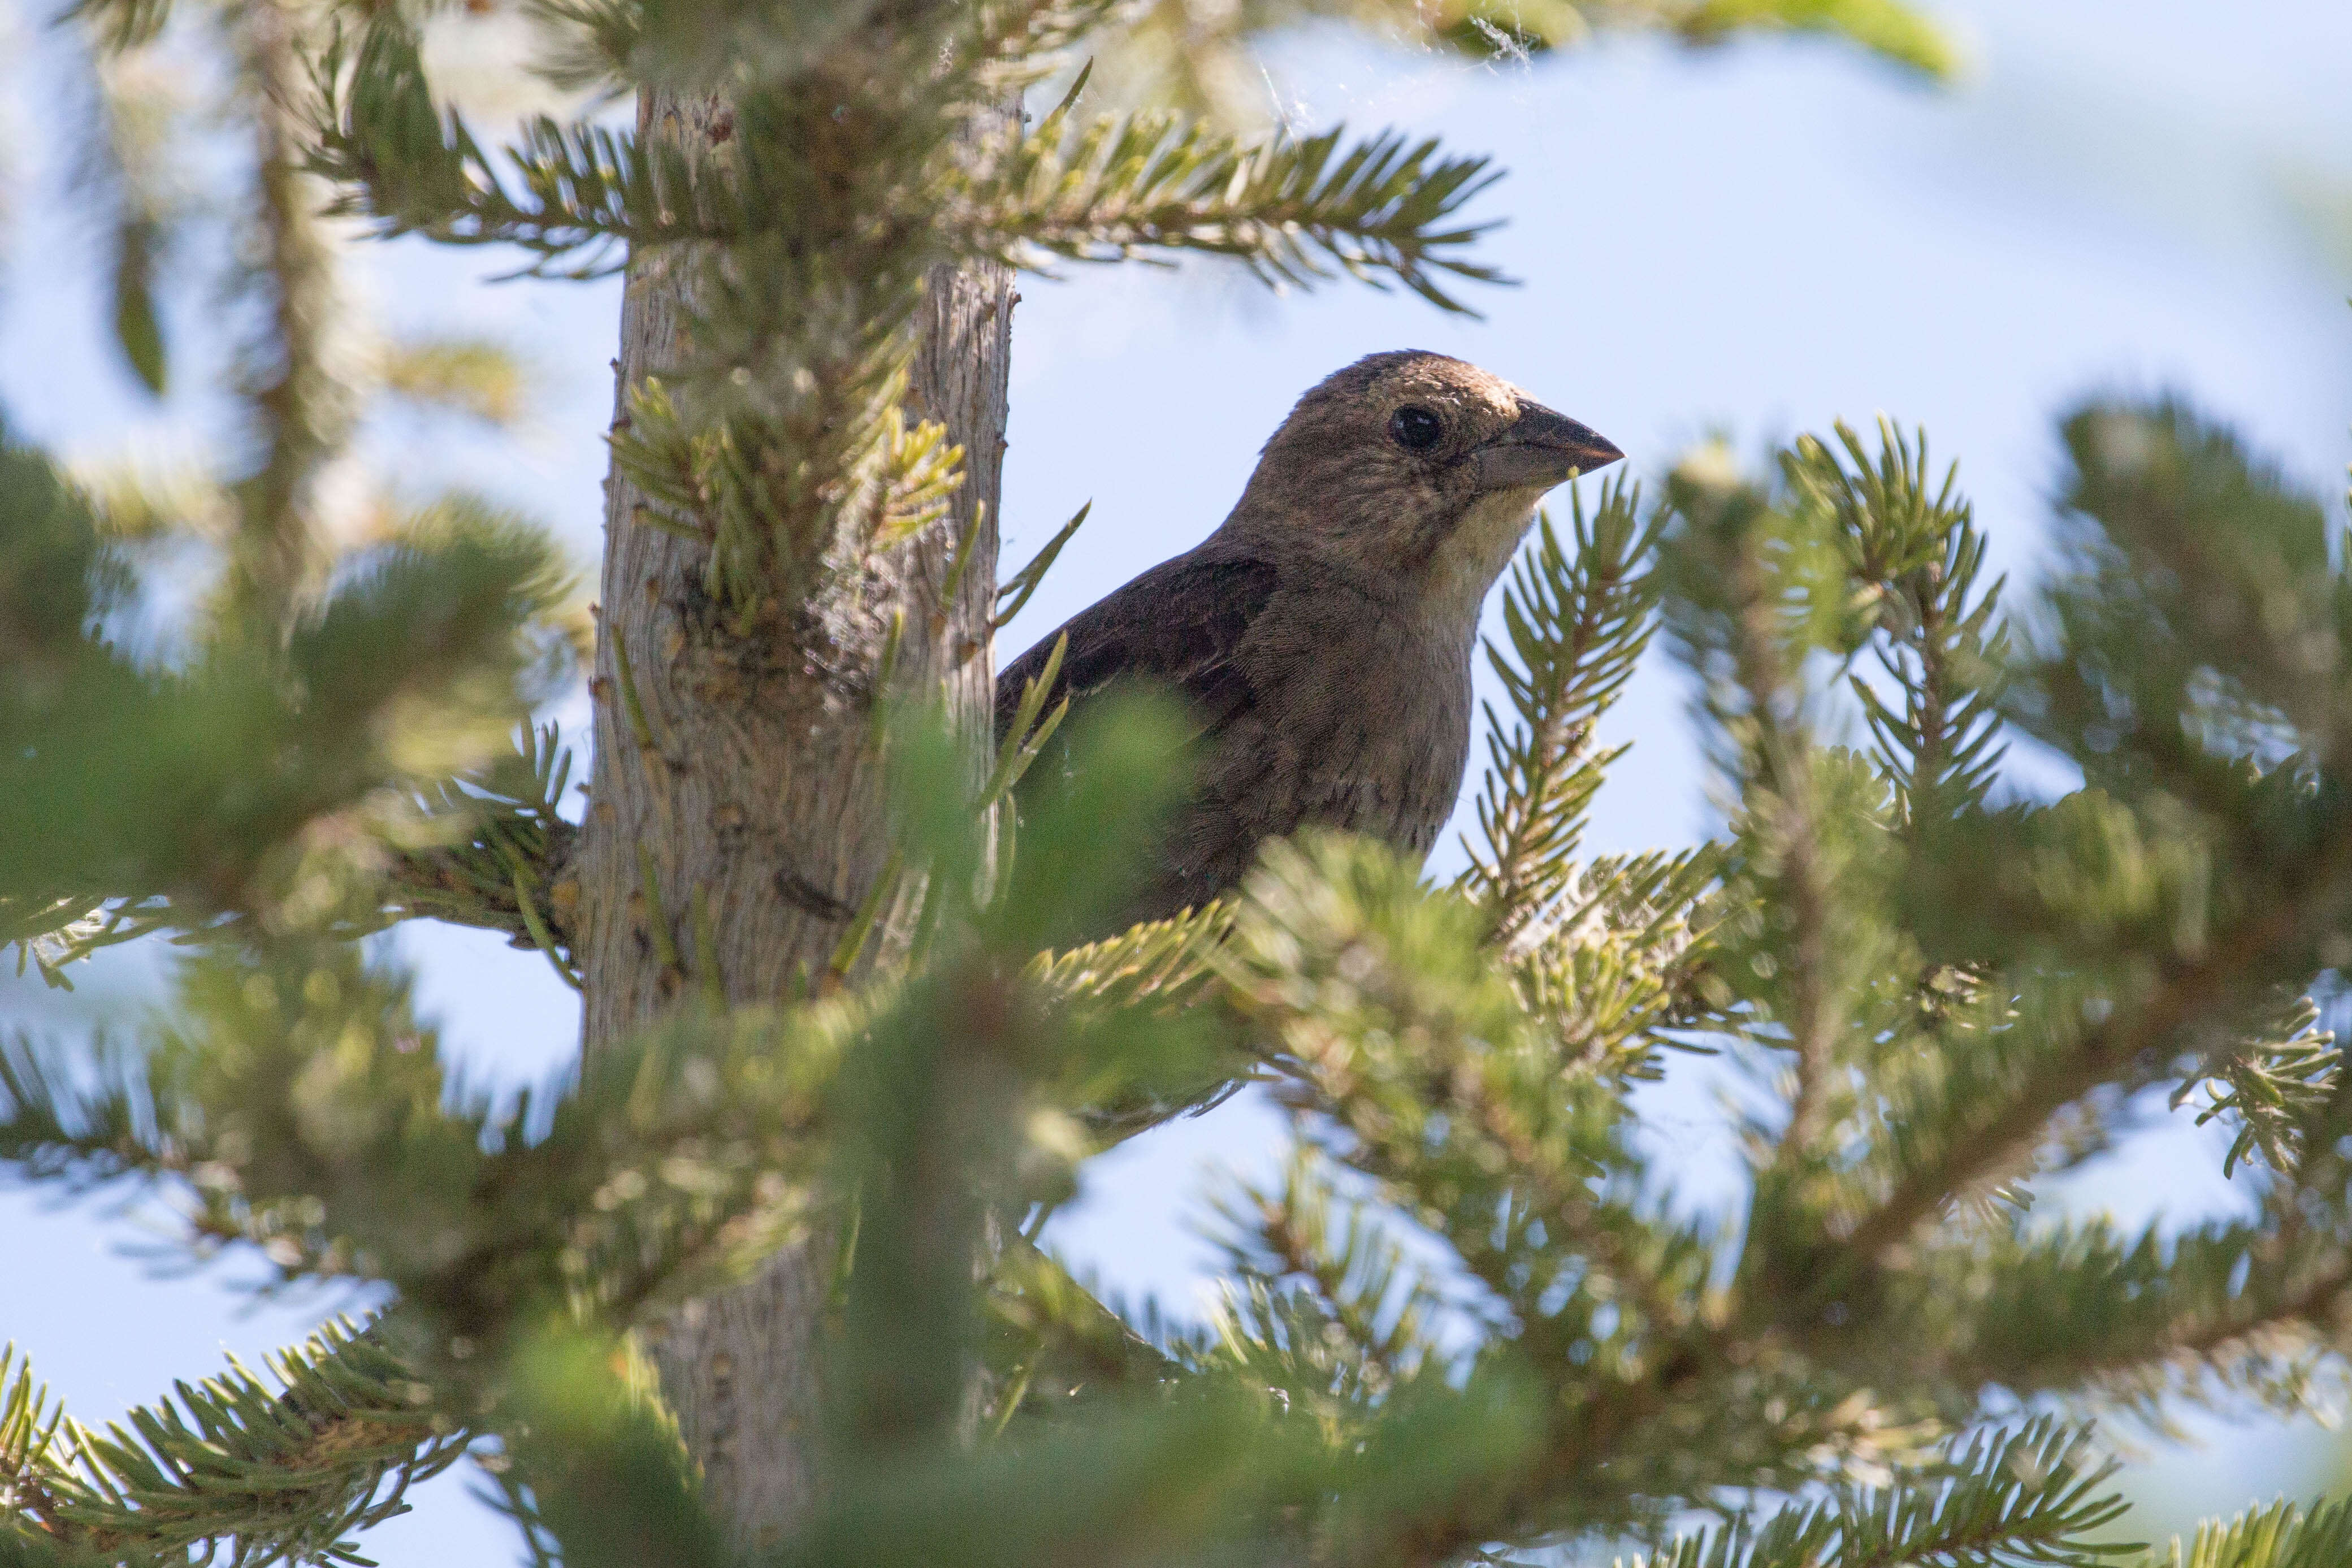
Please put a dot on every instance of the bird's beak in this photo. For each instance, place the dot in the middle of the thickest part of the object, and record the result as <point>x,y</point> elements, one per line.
<point>1540,450</point>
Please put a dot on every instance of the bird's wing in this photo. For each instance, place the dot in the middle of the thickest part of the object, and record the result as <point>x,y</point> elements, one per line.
<point>1179,622</point>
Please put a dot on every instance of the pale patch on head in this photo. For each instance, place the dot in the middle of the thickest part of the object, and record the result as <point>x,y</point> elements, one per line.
<point>1452,382</point>
<point>1345,417</point>
<point>1378,472</point>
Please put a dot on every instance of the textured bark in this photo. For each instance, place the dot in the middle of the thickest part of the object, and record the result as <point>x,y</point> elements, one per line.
<point>759,811</point>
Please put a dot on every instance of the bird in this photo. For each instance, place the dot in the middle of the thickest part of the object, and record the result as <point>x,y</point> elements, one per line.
<point>1323,635</point>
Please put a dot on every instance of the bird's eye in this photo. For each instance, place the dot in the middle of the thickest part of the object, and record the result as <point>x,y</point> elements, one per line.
<point>1416,426</point>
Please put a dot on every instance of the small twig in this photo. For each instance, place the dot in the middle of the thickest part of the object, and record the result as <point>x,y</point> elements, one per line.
<point>1023,583</point>
<point>639,725</point>
<point>556,773</point>
<point>1012,1398</point>
<point>1026,736</point>
<point>845,1253</point>
<point>886,674</point>
<point>847,953</point>
<point>537,927</point>
<point>706,953</point>
<point>958,567</point>
<point>665,944</point>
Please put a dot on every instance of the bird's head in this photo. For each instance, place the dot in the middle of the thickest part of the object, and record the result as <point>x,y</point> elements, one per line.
<point>1417,468</point>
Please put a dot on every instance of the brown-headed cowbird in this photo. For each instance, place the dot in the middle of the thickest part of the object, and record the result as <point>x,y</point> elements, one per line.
<point>1323,635</point>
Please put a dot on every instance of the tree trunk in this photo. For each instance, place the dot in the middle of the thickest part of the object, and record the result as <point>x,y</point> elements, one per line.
<point>759,810</point>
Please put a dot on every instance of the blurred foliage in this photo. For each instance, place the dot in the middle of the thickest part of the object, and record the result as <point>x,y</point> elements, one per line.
<point>321,741</point>
<point>460,375</point>
<point>229,784</point>
<point>329,1450</point>
<point>1209,55</point>
<point>1472,1321</point>
<point>1470,1318</point>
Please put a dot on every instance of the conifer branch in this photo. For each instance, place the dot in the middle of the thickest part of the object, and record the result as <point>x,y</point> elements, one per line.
<point>288,1473</point>
<point>2283,1535</point>
<point>403,163</point>
<point>1971,1137</point>
<point>1475,1115</point>
<point>1010,44</point>
<point>1578,626</point>
<point>132,161</point>
<point>1787,830</point>
<point>586,46</point>
<point>1162,964</point>
<point>1207,58</point>
<point>783,439</point>
<point>1292,211</point>
<point>670,1162</point>
<point>1625,960</point>
<point>121,25</point>
<point>2023,1499</point>
<point>1914,552</point>
<point>477,376</point>
<point>55,933</point>
<point>1322,1302</point>
<point>2195,599</point>
<point>304,409</point>
<point>1052,1347</point>
<point>1752,594</point>
<point>2184,649</point>
<point>2271,1087</point>
<point>1163,969</point>
<point>512,866</point>
<point>1894,31</point>
<point>2136,1319</point>
<point>426,647</point>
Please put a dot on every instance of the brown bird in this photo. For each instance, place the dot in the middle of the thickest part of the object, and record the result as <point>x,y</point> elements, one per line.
<point>1323,635</point>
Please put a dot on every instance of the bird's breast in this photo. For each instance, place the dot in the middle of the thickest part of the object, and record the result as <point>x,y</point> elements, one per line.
<point>1369,725</point>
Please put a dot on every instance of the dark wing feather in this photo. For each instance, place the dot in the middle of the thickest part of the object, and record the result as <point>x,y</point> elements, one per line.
<point>1179,623</point>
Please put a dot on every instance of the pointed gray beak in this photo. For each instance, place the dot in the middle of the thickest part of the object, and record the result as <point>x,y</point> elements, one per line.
<point>1540,450</point>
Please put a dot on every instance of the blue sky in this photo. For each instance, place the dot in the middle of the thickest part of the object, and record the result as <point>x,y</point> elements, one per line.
<point>1759,239</point>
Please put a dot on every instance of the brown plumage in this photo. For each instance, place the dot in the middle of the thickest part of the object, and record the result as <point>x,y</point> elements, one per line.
<point>1324,634</point>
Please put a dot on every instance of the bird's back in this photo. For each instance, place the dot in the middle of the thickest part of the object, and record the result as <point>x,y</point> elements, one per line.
<point>1316,703</point>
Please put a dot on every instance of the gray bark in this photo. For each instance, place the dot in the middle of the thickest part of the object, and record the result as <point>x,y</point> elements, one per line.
<point>759,809</point>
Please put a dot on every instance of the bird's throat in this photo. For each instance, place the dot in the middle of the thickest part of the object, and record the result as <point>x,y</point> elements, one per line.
<point>1470,557</point>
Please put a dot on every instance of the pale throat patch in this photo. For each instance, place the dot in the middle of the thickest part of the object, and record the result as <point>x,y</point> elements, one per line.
<point>1469,560</point>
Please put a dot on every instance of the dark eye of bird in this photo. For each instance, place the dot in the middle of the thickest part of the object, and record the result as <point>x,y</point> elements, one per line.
<point>1416,426</point>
